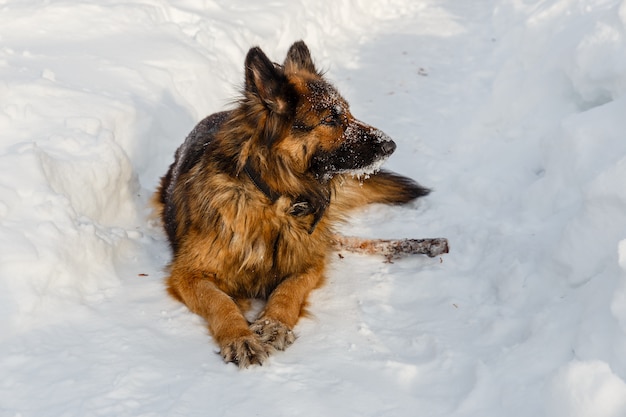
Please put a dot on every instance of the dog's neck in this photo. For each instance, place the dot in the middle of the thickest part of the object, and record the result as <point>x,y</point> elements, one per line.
<point>301,206</point>
<point>264,187</point>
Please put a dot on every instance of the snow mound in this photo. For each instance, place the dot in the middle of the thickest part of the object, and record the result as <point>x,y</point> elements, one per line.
<point>587,389</point>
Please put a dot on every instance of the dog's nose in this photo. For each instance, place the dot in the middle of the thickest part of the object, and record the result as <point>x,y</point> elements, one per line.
<point>388,147</point>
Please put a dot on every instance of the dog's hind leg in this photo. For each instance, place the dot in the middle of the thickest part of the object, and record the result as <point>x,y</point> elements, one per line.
<point>285,306</point>
<point>225,320</point>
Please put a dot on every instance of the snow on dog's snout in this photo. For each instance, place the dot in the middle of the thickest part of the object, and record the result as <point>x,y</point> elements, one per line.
<point>358,133</point>
<point>361,152</point>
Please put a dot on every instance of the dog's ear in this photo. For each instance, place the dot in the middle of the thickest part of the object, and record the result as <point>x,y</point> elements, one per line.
<point>299,58</point>
<point>266,80</point>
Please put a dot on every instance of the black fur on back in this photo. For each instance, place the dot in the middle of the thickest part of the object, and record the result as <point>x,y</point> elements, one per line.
<point>187,155</point>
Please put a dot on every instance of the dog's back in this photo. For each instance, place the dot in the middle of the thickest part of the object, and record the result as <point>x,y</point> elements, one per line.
<point>187,155</point>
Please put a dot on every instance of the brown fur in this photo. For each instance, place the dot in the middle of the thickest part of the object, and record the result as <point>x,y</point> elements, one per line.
<point>251,200</point>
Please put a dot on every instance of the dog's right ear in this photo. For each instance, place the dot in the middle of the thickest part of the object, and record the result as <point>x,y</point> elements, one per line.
<point>266,80</point>
<point>299,58</point>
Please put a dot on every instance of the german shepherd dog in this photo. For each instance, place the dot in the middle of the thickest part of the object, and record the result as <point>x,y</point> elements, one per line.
<point>250,203</point>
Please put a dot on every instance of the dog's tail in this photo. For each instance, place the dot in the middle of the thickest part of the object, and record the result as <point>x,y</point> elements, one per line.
<point>383,187</point>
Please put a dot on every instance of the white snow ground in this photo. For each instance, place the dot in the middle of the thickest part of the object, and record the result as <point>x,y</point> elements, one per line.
<point>514,111</point>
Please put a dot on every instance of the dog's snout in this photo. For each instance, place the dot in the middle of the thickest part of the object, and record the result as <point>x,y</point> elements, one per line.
<point>388,147</point>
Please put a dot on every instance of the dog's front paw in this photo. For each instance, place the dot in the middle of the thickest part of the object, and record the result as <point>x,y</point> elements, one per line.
<point>273,333</point>
<point>245,351</point>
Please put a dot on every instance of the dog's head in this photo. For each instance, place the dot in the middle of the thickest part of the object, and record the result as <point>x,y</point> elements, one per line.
<point>306,121</point>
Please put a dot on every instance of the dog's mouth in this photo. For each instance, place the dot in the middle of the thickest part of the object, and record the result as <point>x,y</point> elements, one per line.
<point>362,152</point>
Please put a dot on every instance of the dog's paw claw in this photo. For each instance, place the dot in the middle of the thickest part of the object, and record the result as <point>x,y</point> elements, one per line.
<point>245,351</point>
<point>273,333</point>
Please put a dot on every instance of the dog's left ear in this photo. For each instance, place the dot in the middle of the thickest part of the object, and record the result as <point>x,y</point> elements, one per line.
<point>299,58</point>
<point>266,80</point>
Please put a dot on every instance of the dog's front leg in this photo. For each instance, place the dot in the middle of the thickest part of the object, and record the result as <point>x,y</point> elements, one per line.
<point>284,307</point>
<point>225,320</point>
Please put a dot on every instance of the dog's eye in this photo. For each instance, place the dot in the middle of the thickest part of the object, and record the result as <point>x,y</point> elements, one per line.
<point>334,117</point>
<point>330,120</point>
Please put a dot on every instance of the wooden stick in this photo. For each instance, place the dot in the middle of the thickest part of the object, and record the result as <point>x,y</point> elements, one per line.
<point>392,248</point>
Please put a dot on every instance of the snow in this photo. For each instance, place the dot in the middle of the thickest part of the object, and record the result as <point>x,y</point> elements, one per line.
<point>513,111</point>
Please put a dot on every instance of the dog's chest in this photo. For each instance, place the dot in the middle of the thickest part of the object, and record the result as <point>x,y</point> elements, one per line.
<point>280,252</point>
<point>296,244</point>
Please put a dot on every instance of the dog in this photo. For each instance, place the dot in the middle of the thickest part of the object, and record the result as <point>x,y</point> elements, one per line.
<point>251,202</point>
